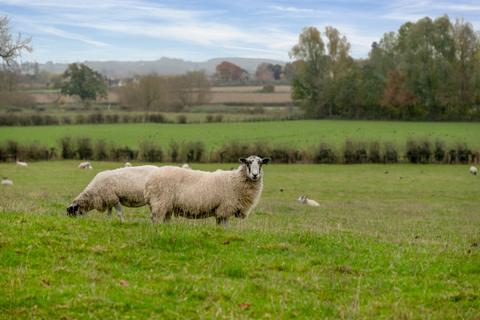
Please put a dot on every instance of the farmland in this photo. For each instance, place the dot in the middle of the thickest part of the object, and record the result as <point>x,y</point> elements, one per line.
<point>388,241</point>
<point>298,133</point>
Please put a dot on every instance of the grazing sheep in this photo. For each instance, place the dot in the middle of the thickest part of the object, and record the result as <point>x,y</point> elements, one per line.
<point>110,188</point>
<point>22,164</point>
<point>308,202</point>
<point>6,182</point>
<point>185,166</point>
<point>127,164</point>
<point>473,170</point>
<point>85,165</point>
<point>199,194</point>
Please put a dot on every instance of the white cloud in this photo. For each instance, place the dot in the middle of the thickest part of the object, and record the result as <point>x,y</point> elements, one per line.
<point>72,36</point>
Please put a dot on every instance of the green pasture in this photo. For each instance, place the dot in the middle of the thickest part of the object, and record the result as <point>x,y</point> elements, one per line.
<point>292,133</point>
<point>388,241</point>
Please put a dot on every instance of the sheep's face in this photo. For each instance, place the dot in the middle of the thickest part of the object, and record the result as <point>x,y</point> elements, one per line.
<point>253,166</point>
<point>302,199</point>
<point>74,210</point>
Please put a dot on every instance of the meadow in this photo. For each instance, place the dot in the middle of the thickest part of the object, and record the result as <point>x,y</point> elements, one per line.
<point>388,241</point>
<point>301,133</point>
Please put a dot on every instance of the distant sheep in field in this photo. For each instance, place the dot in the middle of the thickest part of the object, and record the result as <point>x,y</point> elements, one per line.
<point>127,164</point>
<point>308,202</point>
<point>473,170</point>
<point>21,164</point>
<point>6,182</point>
<point>185,166</point>
<point>199,194</point>
<point>112,188</point>
<point>85,165</point>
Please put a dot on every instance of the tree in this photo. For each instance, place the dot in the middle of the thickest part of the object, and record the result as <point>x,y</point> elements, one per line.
<point>11,48</point>
<point>265,72</point>
<point>229,72</point>
<point>84,82</point>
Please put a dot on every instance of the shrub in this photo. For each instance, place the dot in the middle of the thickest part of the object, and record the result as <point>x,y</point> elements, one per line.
<point>463,153</point>
<point>231,151</point>
<point>324,154</point>
<point>35,151</point>
<point>122,154</point>
<point>156,118</point>
<point>374,153</point>
<point>390,154</point>
<point>439,152</point>
<point>100,150</point>
<point>3,153</point>
<point>150,152</point>
<point>182,119</point>
<point>268,88</point>
<point>174,149</point>
<point>209,118</point>
<point>80,119</point>
<point>218,118</point>
<point>66,120</point>
<point>84,148</point>
<point>192,151</point>
<point>66,145</point>
<point>14,150</point>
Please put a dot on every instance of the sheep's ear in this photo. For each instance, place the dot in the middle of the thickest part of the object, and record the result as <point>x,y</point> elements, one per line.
<point>265,160</point>
<point>242,160</point>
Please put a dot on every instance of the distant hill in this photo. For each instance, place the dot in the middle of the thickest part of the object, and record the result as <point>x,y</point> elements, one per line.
<point>163,66</point>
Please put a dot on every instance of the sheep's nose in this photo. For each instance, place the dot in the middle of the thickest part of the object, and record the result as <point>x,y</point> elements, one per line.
<point>254,176</point>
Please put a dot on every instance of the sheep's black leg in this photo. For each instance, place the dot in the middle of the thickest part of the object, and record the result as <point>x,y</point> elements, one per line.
<point>118,210</point>
<point>222,221</point>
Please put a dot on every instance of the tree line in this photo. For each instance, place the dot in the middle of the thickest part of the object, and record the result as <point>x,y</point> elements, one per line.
<point>427,70</point>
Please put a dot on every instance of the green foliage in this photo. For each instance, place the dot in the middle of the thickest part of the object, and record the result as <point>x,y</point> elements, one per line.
<point>84,82</point>
<point>428,69</point>
<point>379,246</point>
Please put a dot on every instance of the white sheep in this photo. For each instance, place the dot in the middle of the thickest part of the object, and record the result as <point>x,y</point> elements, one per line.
<point>22,164</point>
<point>200,194</point>
<point>185,166</point>
<point>473,170</point>
<point>6,182</point>
<point>308,202</point>
<point>112,188</point>
<point>85,165</point>
<point>127,164</point>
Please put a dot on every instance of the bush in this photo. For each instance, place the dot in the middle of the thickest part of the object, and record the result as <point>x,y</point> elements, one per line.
<point>439,152</point>
<point>35,151</point>
<point>84,148</point>
<point>374,153</point>
<point>192,151</point>
<point>100,150</point>
<point>182,119</point>
<point>174,149</point>
<point>463,153</point>
<point>324,154</point>
<point>218,118</point>
<point>268,88</point>
<point>418,151</point>
<point>66,145</point>
<point>209,118</point>
<point>231,151</point>
<point>14,150</point>
<point>390,154</point>
<point>122,154</point>
<point>150,152</point>
<point>156,118</point>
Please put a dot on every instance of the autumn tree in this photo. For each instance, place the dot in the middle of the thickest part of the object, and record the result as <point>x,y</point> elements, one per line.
<point>84,82</point>
<point>265,72</point>
<point>229,72</point>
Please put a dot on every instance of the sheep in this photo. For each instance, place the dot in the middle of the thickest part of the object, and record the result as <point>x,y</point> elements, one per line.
<point>308,202</point>
<point>85,165</point>
<point>22,164</point>
<point>473,170</point>
<point>185,166</point>
<point>112,188</point>
<point>6,182</point>
<point>199,194</point>
<point>127,164</point>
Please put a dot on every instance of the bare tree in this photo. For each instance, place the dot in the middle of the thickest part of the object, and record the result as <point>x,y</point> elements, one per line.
<point>11,48</point>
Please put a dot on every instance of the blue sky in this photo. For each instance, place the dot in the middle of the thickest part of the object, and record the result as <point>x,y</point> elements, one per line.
<point>68,31</point>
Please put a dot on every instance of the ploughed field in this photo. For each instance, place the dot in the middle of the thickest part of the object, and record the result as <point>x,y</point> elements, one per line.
<point>302,133</point>
<point>388,241</point>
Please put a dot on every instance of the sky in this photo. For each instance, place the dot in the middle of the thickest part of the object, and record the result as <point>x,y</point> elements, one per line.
<point>127,30</point>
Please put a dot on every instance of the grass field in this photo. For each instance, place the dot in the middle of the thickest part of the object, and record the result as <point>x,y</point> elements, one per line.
<point>298,133</point>
<point>388,241</point>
